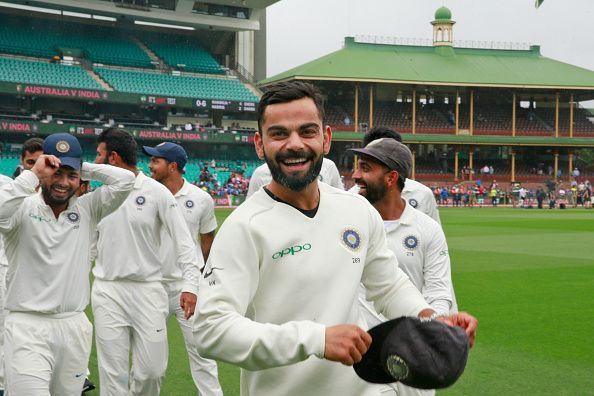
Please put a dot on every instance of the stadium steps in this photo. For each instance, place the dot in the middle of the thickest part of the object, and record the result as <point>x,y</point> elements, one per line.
<point>161,65</point>
<point>99,80</point>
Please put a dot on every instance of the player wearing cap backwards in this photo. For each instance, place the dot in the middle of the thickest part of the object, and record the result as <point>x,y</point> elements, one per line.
<point>328,174</point>
<point>418,195</point>
<point>416,239</point>
<point>167,167</point>
<point>279,289</point>
<point>47,237</point>
<point>130,303</point>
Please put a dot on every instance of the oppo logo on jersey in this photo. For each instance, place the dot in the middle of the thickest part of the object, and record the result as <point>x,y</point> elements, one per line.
<point>291,250</point>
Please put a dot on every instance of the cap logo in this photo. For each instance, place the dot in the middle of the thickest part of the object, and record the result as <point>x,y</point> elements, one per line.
<point>411,242</point>
<point>62,146</point>
<point>351,239</point>
<point>397,367</point>
<point>413,202</point>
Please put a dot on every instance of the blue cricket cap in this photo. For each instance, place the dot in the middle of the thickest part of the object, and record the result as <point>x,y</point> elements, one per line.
<point>66,147</point>
<point>170,151</point>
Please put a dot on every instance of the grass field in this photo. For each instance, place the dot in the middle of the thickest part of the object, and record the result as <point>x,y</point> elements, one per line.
<point>528,275</point>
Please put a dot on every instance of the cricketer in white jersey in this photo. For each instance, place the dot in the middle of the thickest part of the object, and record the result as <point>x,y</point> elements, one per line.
<point>197,207</point>
<point>329,175</point>
<point>417,240</point>
<point>130,304</point>
<point>278,295</point>
<point>3,268</point>
<point>47,237</point>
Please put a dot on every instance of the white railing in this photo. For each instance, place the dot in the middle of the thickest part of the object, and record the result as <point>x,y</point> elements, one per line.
<point>421,42</point>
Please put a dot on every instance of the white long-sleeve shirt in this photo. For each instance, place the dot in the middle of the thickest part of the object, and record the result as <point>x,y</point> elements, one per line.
<point>197,208</point>
<point>328,174</point>
<point>420,246</point>
<point>418,195</point>
<point>3,260</point>
<point>48,258</point>
<point>275,279</point>
<point>129,239</point>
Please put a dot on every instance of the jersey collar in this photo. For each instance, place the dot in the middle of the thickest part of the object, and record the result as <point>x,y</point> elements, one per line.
<point>184,190</point>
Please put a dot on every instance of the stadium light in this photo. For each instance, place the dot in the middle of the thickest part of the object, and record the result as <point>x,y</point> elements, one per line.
<point>30,8</point>
<point>164,25</point>
<point>104,18</point>
<point>76,14</point>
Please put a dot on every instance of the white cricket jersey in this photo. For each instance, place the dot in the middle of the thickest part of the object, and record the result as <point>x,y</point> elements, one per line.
<point>418,195</point>
<point>129,240</point>
<point>197,208</point>
<point>328,174</point>
<point>275,279</point>
<point>3,260</point>
<point>48,258</point>
<point>420,246</point>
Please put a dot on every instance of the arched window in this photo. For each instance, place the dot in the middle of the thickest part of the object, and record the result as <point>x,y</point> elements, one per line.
<point>439,34</point>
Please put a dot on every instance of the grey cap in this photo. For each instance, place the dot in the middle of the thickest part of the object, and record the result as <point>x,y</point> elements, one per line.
<point>391,153</point>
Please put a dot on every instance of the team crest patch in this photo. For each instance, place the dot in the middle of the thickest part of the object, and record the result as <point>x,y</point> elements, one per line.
<point>411,242</point>
<point>351,239</point>
<point>413,202</point>
<point>62,146</point>
<point>320,178</point>
<point>72,217</point>
<point>189,204</point>
<point>140,200</point>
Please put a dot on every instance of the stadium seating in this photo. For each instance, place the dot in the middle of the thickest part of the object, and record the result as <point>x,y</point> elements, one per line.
<point>8,165</point>
<point>22,71</point>
<point>168,85</point>
<point>182,50</point>
<point>44,38</point>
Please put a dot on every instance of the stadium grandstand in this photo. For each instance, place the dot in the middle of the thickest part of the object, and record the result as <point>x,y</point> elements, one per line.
<point>459,106</point>
<point>181,71</point>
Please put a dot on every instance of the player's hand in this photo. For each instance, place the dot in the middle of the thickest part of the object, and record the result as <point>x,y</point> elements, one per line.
<point>346,344</point>
<point>187,302</point>
<point>45,166</point>
<point>465,320</point>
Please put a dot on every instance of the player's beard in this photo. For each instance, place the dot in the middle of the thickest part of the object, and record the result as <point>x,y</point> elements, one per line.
<point>294,183</point>
<point>373,191</point>
<point>53,201</point>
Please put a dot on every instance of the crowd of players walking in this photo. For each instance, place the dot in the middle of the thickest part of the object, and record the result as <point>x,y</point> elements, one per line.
<point>250,304</point>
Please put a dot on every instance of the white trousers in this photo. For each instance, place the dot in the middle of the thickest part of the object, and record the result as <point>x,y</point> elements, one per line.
<point>130,317</point>
<point>3,313</point>
<point>45,355</point>
<point>204,371</point>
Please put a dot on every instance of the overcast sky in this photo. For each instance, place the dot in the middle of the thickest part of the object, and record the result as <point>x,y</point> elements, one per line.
<point>303,30</point>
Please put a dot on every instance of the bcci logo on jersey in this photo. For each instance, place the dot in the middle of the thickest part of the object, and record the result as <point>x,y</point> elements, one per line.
<point>413,202</point>
<point>351,239</point>
<point>140,200</point>
<point>411,242</point>
<point>73,217</point>
<point>189,204</point>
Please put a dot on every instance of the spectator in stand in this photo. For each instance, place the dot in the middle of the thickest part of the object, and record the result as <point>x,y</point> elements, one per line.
<point>576,172</point>
<point>540,197</point>
<point>444,196</point>
<point>493,195</point>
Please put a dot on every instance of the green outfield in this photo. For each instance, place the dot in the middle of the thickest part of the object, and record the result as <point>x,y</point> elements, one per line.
<point>528,275</point>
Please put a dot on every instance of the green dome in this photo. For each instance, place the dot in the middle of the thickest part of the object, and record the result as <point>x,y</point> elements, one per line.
<point>443,13</point>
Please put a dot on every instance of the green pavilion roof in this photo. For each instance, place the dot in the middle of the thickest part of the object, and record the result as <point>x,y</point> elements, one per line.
<point>432,65</point>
